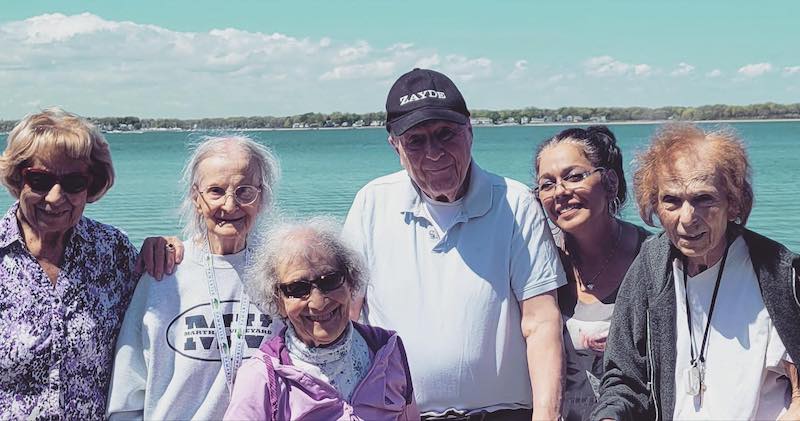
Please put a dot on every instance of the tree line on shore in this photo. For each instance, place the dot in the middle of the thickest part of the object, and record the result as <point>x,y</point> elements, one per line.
<point>488,117</point>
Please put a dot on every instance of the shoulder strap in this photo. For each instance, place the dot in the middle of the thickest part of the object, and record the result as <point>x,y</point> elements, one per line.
<point>272,395</point>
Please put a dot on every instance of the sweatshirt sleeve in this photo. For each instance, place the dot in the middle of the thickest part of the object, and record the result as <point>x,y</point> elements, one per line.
<point>126,395</point>
<point>625,387</point>
<point>248,401</point>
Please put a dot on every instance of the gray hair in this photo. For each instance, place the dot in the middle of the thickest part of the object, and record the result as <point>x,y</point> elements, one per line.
<point>269,168</point>
<point>261,278</point>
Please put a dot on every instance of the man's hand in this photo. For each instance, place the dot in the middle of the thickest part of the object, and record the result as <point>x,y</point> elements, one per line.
<point>159,255</point>
<point>542,329</point>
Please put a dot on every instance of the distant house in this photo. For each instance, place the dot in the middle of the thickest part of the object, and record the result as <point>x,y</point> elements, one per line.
<point>359,123</point>
<point>481,121</point>
<point>524,120</point>
<point>345,124</point>
<point>376,123</point>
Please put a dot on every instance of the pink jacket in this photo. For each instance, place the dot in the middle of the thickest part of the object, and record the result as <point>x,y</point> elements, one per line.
<point>385,393</point>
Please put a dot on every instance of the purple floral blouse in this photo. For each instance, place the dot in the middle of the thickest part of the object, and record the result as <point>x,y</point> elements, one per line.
<point>57,342</point>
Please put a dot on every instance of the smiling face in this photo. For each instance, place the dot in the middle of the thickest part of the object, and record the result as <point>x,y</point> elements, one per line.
<point>227,221</point>
<point>436,154</point>
<point>571,206</point>
<point>693,209</point>
<point>54,211</point>
<point>320,318</point>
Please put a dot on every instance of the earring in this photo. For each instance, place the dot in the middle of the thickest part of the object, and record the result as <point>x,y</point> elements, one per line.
<point>613,206</point>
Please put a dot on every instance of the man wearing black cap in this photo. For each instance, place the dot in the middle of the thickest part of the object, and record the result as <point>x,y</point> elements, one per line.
<point>462,265</point>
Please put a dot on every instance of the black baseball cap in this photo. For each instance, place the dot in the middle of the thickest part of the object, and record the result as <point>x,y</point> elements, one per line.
<point>422,95</point>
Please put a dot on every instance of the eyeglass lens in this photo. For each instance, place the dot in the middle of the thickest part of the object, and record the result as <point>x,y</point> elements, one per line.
<point>302,288</point>
<point>244,195</point>
<point>42,180</point>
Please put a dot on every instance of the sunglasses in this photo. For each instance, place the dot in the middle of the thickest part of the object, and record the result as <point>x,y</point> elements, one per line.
<point>42,181</point>
<point>302,288</point>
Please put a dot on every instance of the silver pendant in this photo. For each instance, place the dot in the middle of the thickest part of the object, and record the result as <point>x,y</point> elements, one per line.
<point>694,378</point>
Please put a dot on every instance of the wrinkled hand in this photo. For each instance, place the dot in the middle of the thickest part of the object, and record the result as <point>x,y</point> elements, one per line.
<point>159,255</point>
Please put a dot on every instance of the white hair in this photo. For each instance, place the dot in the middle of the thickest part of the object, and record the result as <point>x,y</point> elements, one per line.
<point>194,227</point>
<point>261,278</point>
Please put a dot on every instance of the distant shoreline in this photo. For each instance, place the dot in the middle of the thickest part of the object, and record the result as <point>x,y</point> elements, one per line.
<point>549,124</point>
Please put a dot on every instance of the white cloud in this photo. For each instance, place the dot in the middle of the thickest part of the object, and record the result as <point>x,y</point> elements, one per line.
<point>55,27</point>
<point>428,62</point>
<point>791,70</point>
<point>683,69</point>
<point>466,69</point>
<point>714,73</point>
<point>520,68</point>
<point>642,69</point>
<point>755,70</point>
<point>358,71</point>
<point>351,53</point>
<point>605,66</point>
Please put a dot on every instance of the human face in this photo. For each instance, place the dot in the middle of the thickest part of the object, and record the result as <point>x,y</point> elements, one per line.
<point>436,154</point>
<point>54,211</point>
<point>572,206</point>
<point>227,221</point>
<point>320,318</point>
<point>694,210</point>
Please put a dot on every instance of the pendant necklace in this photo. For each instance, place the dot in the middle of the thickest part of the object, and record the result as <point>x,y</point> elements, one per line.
<point>589,285</point>
<point>696,372</point>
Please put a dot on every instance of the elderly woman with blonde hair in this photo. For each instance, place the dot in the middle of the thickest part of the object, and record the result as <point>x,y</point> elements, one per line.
<point>321,366</point>
<point>66,279</point>
<point>184,338</point>
<point>706,320</point>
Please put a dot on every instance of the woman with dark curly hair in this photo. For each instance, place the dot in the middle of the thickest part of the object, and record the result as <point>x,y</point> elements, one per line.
<point>581,186</point>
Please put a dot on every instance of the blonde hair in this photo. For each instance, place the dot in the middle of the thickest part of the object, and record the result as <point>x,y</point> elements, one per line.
<point>723,149</point>
<point>55,131</point>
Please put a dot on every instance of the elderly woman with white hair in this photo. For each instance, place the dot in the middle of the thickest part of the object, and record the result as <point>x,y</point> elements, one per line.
<point>321,366</point>
<point>65,279</point>
<point>183,338</point>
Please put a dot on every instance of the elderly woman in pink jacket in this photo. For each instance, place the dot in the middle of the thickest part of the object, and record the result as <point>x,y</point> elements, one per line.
<point>322,365</point>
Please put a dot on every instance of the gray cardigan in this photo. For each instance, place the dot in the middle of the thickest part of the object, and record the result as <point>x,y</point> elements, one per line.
<point>638,383</point>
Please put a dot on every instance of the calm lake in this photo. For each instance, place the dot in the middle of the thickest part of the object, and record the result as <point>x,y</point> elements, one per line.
<point>323,169</point>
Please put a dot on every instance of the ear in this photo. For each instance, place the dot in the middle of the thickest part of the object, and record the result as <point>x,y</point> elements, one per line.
<point>196,199</point>
<point>611,182</point>
<point>281,306</point>
<point>393,143</point>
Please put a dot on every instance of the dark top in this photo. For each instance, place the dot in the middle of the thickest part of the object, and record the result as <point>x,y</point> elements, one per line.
<point>638,383</point>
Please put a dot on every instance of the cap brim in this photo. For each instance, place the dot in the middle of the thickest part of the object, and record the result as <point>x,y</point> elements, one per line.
<point>399,126</point>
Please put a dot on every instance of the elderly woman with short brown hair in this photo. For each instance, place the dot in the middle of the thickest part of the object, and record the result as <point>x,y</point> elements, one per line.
<point>706,321</point>
<point>66,279</point>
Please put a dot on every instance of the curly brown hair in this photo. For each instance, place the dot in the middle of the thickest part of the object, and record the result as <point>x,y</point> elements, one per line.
<point>723,149</point>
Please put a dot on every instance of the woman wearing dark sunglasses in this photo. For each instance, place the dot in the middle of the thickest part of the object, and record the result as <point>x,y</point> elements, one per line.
<point>183,338</point>
<point>322,365</point>
<point>581,186</point>
<point>65,280</point>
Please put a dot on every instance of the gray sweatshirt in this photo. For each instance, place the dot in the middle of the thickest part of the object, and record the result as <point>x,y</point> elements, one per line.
<point>167,364</point>
<point>638,383</point>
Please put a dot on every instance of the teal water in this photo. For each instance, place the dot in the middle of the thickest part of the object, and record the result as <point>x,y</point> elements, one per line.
<point>323,169</point>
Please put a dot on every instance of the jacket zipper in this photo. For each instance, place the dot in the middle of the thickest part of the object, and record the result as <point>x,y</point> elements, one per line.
<point>793,282</point>
<point>652,367</point>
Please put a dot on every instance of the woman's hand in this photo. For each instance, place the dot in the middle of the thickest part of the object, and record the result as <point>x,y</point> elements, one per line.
<point>159,255</point>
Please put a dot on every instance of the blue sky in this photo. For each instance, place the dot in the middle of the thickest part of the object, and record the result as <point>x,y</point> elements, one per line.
<point>200,58</point>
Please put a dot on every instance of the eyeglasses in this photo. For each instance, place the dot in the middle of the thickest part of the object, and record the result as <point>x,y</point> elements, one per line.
<point>416,142</point>
<point>302,288</point>
<point>571,181</point>
<point>42,181</point>
<point>243,195</point>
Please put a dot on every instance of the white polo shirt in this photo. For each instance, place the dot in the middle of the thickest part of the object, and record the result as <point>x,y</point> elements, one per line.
<point>454,298</point>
